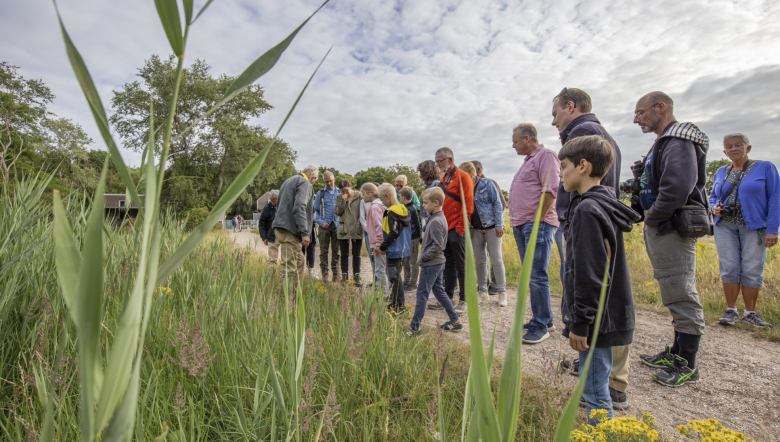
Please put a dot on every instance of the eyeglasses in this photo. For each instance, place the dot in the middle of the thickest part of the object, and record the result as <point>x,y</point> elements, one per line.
<point>441,160</point>
<point>570,96</point>
<point>330,181</point>
<point>640,112</point>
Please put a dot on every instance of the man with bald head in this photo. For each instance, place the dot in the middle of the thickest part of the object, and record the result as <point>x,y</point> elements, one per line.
<point>674,176</point>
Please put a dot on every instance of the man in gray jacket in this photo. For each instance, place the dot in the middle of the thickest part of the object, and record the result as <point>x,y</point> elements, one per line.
<point>292,225</point>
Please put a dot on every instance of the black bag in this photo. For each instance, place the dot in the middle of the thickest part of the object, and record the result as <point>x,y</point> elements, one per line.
<point>692,221</point>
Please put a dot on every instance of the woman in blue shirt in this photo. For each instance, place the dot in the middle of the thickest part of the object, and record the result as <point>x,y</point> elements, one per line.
<point>745,201</point>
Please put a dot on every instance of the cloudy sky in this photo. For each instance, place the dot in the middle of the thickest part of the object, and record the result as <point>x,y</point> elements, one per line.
<point>407,77</point>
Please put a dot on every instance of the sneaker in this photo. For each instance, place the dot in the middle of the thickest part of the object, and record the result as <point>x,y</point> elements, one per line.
<point>492,290</point>
<point>435,305</point>
<point>411,332</point>
<point>729,318</point>
<point>619,399</point>
<point>412,288</point>
<point>312,274</point>
<point>534,336</point>
<point>677,374</point>
<point>755,320</point>
<point>575,367</point>
<point>661,360</point>
<point>482,296</point>
<point>461,308</point>
<point>452,326</point>
<point>550,327</point>
<point>396,312</point>
<point>502,299</point>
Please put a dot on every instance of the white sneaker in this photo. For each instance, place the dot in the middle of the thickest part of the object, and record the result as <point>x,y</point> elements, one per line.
<point>461,308</point>
<point>312,274</point>
<point>483,296</point>
<point>502,299</point>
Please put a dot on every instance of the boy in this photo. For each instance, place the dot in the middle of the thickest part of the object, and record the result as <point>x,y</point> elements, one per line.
<point>595,218</point>
<point>397,240</point>
<point>411,270</point>
<point>431,264</point>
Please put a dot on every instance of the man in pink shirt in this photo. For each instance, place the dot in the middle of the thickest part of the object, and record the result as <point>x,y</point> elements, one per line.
<point>538,176</point>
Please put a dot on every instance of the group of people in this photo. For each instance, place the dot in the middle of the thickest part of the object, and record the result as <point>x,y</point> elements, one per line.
<point>575,192</point>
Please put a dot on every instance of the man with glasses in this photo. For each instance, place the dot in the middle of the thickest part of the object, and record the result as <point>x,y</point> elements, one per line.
<point>400,183</point>
<point>327,225</point>
<point>455,252</point>
<point>572,116</point>
<point>674,176</point>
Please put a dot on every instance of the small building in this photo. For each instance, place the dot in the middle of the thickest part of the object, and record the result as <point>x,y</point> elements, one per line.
<point>262,201</point>
<point>117,208</point>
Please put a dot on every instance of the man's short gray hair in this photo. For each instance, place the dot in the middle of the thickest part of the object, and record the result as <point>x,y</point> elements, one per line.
<point>311,171</point>
<point>737,135</point>
<point>446,152</point>
<point>402,178</point>
<point>327,174</point>
<point>526,129</point>
<point>274,194</point>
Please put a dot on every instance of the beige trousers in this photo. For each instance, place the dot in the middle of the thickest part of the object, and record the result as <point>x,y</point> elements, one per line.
<point>618,380</point>
<point>291,264</point>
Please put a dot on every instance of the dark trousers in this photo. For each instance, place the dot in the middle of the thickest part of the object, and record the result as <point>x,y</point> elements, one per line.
<point>455,265</point>
<point>344,246</point>
<point>308,252</point>
<point>328,239</point>
<point>397,300</point>
<point>431,281</point>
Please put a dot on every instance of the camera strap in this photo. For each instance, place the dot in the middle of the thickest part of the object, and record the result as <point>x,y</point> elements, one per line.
<point>743,172</point>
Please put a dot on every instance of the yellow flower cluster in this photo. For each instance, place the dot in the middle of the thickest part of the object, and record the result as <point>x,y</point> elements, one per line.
<point>319,287</point>
<point>616,429</point>
<point>165,291</point>
<point>711,430</point>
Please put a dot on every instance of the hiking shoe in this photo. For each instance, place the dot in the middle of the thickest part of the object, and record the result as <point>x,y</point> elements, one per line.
<point>410,332</point>
<point>483,296</point>
<point>534,336</point>
<point>661,360</point>
<point>755,320</point>
<point>502,299</point>
<point>461,308</point>
<point>411,288</point>
<point>550,327</point>
<point>619,399</point>
<point>730,317</point>
<point>452,326</point>
<point>575,365</point>
<point>677,374</point>
<point>492,290</point>
<point>435,305</point>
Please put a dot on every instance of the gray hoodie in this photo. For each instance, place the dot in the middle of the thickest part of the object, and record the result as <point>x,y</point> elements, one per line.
<point>434,240</point>
<point>295,210</point>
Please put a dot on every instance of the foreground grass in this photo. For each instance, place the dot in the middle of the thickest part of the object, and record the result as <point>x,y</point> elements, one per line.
<point>646,290</point>
<point>205,372</point>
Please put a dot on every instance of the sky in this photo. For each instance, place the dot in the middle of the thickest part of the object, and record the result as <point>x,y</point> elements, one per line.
<point>407,77</point>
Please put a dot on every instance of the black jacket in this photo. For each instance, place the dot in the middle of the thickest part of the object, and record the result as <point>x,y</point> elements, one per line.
<point>413,214</point>
<point>594,217</point>
<point>581,126</point>
<point>266,221</point>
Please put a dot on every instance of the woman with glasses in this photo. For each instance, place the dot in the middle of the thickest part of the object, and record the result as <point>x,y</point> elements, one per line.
<point>745,202</point>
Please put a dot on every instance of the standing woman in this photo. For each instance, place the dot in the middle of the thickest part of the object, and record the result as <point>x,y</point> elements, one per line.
<point>350,230</point>
<point>429,174</point>
<point>745,201</point>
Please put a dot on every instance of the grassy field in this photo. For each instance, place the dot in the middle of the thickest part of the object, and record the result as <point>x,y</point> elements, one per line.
<point>646,290</point>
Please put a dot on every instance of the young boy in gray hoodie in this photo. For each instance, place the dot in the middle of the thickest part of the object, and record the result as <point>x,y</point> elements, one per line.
<point>431,262</point>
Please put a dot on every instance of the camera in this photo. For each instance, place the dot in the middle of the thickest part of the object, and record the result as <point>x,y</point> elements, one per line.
<point>727,210</point>
<point>632,185</point>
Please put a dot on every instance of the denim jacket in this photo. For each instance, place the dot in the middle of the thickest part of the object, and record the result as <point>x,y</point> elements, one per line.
<point>325,208</point>
<point>487,202</point>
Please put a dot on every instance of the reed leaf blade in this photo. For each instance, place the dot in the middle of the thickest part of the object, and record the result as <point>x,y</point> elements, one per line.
<point>168,11</point>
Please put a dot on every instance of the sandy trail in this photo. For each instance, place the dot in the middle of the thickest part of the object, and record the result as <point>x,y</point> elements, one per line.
<point>740,384</point>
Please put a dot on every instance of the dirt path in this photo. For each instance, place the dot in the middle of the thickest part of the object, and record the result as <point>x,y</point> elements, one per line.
<point>740,384</point>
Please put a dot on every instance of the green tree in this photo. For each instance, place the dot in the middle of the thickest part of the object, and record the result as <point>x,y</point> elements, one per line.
<point>379,174</point>
<point>712,167</point>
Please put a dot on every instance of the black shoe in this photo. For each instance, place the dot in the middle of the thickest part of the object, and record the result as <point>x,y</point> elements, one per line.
<point>677,374</point>
<point>619,400</point>
<point>575,365</point>
<point>661,360</point>
<point>550,327</point>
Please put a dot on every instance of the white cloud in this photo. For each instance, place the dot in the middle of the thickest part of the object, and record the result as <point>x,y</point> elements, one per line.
<point>407,77</point>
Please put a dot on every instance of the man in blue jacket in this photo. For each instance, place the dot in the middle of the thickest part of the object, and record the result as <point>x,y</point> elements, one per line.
<point>328,222</point>
<point>573,118</point>
<point>674,176</point>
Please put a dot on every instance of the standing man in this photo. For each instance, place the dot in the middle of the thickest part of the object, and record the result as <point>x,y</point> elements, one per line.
<point>674,176</point>
<point>328,222</point>
<point>400,183</point>
<point>293,222</point>
<point>538,176</point>
<point>455,251</point>
<point>572,116</point>
<point>264,225</point>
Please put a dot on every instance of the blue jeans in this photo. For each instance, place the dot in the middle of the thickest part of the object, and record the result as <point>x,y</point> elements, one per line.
<point>742,254</point>
<point>559,244</point>
<point>431,280</point>
<point>596,392</point>
<point>541,306</point>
